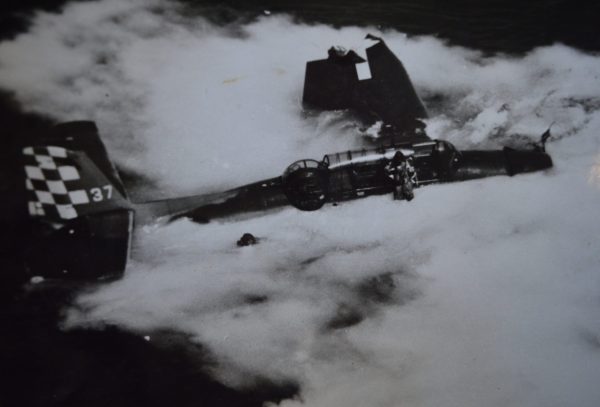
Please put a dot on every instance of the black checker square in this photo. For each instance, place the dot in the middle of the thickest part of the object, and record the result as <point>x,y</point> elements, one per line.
<point>53,183</point>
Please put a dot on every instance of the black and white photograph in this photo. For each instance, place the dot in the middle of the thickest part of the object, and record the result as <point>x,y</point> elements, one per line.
<point>300,203</point>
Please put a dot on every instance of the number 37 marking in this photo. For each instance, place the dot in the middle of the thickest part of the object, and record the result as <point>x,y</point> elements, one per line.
<point>100,194</point>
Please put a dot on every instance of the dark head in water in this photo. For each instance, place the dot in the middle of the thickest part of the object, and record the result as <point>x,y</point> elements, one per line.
<point>82,220</point>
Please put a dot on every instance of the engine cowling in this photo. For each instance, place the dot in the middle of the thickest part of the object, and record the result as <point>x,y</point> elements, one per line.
<point>306,184</point>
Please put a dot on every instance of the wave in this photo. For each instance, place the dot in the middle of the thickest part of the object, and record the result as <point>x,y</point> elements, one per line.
<point>480,293</point>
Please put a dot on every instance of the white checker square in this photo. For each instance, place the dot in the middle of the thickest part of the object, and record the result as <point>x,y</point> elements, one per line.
<point>34,172</point>
<point>363,71</point>
<point>57,152</point>
<point>66,211</point>
<point>79,197</point>
<point>36,209</point>
<point>68,173</point>
<point>57,187</point>
<point>46,162</point>
<point>32,208</point>
<point>45,197</point>
<point>28,184</point>
<point>28,151</point>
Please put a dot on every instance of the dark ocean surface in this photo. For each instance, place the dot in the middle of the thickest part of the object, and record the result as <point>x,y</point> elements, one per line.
<point>492,26</point>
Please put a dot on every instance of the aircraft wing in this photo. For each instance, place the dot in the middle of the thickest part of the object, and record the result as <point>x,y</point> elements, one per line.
<point>379,88</point>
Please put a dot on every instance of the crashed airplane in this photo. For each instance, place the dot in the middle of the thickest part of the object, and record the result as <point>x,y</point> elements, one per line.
<point>82,220</point>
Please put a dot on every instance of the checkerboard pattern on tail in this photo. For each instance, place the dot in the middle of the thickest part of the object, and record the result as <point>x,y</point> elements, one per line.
<point>81,219</point>
<point>53,183</point>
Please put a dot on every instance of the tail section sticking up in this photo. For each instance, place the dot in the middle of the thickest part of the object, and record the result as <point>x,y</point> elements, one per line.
<point>80,213</point>
<point>379,87</point>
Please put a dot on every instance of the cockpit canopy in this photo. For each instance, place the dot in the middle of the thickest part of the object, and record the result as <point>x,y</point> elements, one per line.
<point>300,164</point>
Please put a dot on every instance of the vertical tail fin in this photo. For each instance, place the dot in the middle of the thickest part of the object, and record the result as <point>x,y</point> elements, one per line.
<point>67,176</point>
<point>81,214</point>
<point>379,88</point>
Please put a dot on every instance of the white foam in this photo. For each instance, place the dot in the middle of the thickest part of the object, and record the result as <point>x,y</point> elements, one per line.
<point>496,284</point>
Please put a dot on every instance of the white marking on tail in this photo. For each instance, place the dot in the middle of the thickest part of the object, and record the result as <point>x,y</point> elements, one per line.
<point>79,197</point>
<point>66,211</point>
<point>58,152</point>
<point>46,162</point>
<point>363,71</point>
<point>45,197</point>
<point>34,173</point>
<point>68,173</point>
<point>57,187</point>
<point>36,209</point>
